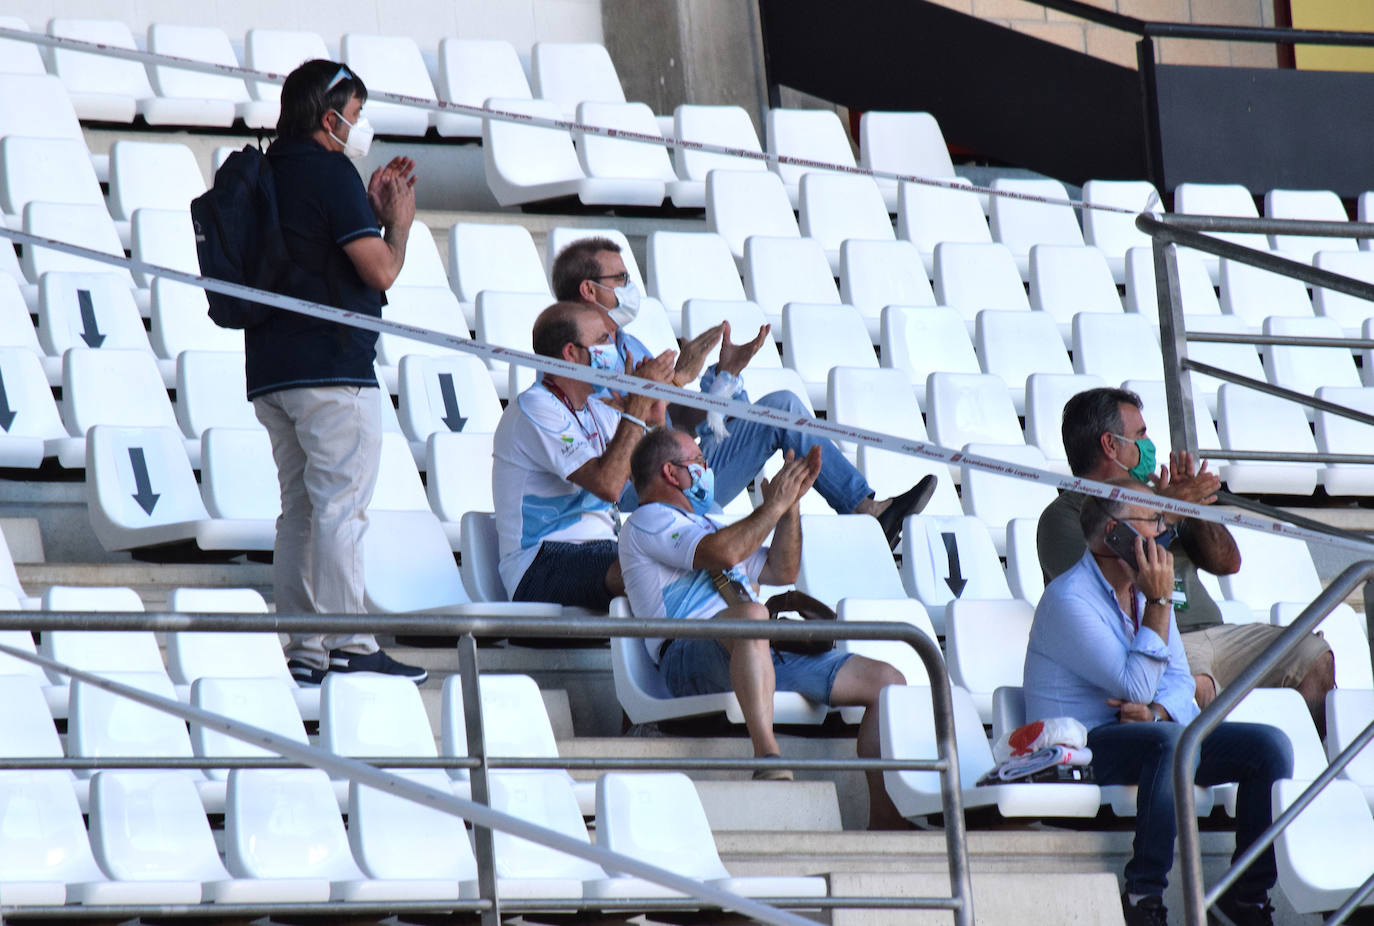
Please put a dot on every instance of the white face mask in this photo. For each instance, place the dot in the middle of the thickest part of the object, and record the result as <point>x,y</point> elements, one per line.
<point>626,302</point>
<point>359,140</point>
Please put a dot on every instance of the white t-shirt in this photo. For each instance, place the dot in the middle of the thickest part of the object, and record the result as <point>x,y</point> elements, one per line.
<point>538,443</point>
<point>657,547</point>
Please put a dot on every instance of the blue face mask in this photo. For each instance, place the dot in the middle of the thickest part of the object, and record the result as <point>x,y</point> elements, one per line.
<point>603,356</point>
<point>702,492</point>
<point>1145,466</point>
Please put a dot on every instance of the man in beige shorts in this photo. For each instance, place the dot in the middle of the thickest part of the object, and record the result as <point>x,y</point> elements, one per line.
<point>1104,434</point>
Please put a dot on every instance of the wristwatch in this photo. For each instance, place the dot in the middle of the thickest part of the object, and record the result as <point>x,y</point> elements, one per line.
<point>1165,602</point>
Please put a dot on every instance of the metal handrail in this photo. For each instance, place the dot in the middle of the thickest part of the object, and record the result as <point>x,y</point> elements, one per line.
<point>1179,30</point>
<point>467,628</point>
<point>1195,901</point>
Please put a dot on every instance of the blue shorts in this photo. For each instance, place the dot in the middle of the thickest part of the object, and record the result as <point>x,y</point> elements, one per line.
<point>701,666</point>
<point>569,574</point>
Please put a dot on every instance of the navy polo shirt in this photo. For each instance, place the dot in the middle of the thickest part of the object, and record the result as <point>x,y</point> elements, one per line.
<point>323,206</point>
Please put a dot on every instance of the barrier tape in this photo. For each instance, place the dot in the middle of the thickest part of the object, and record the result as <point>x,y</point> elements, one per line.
<point>729,408</point>
<point>548,122</point>
<point>390,783</point>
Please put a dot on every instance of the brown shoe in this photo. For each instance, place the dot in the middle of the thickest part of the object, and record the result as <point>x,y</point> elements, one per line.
<point>772,774</point>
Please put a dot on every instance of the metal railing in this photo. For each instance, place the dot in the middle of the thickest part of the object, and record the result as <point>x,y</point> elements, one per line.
<point>467,628</point>
<point>1168,232</point>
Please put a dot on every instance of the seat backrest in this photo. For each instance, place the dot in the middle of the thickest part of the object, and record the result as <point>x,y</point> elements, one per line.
<point>973,277</point>
<point>1320,855</point>
<point>193,655</point>
<point>42,836</point>
<point>29,407</point>
<point>744,203</point>
<point>1098,339</point>
<point>657,818</point>
<point>211,390</point>
<point>1348,712</point>
<point>151,827</point>
<point>497,257</point>
<point>368,714</point>
<point>1335,433</point>
<point>20,57</point>
<point>969,625</point>
<point>235,465</point>
<point>16,328</point>
<point>104,725</point>
<point>396,838</point>
<point>398,479</point>
<point>279,51</point>
<point>1068,279</point>
<point>729,126</point>
<point>837,207</point>
<point>446,395</point>
<point>95,310</point>
<point>816,338</point>
<point>782,270</point>
<point>423,265</point>
<point>1221,199</point>
<point>481,556</point>
<point>408,563</point>
<point>200,43</point>
<point>1046,394</point>
<point>690,265</point>
<point>925,340</point>
<point>546,799</point>
<point>138,478</point>
<point>90,598</point>
<point>519,154</point>
<point>966,408</point>
<point>927,215</point>
<point>285,823</point>
<point>616,157</point>
<point>506,319</point>
<point>1247,420</point>
<point>37,105</point>
<point>52,170</point>
<point>1273,568</point>
<point>1014,345</point>
<point>472,71</point>
<point>1284,708</point>
<point>1253,295</point>
<point>948,558</point>
<point>994,498</point>
<point>393,64</point>
<point>101,650</point>
<point>568,73</point>
<point>181,319</point>
<point>900,655</point>
<point>1024,575</point>
<point>85,72</point>
<point>1350,311</point>
<point>26,725</point>
<point>1237,357</point>
<point>1020,223</point>
<point>1318,205</point>
<point>435,308</point>
<point>165,237</point>
<point>814,134</point>
<point>1115,232</point>
<point>904,142</point>
<point>877,274</point>
<point>1195,285</point>
<point>86,225</point>
<point>257,701</point>
<point>907,731</point>
<point>459,468</point>
<point>1304,369</point>
<point>846,555</point>
<point>879,399</point>
<point>515,722</point>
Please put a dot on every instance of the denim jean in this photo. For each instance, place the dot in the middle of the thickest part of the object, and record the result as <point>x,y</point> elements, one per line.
<point>327,444</point>
<point>738,458</point>
<point>1254,755</point>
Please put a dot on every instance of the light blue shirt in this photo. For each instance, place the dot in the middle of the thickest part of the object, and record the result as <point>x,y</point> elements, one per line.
<point>1084,649</point>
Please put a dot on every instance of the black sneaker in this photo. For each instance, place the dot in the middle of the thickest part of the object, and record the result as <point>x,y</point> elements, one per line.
<point>1150,911</point>
<point>910,502</point>
<point>340,661</point>
<point>306,675</point>
<point>1245,914</point>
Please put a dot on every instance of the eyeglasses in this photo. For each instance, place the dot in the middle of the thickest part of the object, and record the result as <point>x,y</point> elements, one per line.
<point>343,74</point>
<point>1157,520</point>
<point>623,278</point>
<point>698,460</point>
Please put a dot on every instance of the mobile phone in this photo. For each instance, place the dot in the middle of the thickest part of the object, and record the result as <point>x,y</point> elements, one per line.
<point>1121,541</point>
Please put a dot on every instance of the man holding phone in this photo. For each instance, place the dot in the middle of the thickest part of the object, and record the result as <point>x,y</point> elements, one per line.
<point>1105,648</point>
<point>1105,439</point>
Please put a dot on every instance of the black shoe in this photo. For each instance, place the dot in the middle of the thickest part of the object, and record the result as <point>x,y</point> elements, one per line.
<point>305,675</point>
<point>1245,914</point>
<point>912,501</point>
<point>1149,912</point>
<point>340,661</point>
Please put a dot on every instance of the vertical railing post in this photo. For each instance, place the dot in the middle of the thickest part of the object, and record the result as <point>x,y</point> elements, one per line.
<point>1173,342</point>
<point>483,847</point>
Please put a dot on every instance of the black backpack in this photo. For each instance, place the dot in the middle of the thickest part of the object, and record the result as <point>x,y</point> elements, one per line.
<point>239,237</point>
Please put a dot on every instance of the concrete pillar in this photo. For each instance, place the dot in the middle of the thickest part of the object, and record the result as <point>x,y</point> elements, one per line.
<point>687,51</point>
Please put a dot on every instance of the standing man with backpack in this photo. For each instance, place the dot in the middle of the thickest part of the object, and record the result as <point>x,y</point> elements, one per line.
<point>312,382</point>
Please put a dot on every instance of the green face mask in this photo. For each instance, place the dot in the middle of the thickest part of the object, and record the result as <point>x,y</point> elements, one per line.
<point>1145,466</point>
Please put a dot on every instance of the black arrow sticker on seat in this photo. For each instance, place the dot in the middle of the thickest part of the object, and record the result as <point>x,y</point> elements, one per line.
<point>143,494</point>
<point>956,580</point>
<point>7,414</point>
<point>89,333</point>
<point>453,416</point>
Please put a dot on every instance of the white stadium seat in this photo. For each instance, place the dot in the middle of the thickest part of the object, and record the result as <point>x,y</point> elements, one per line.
<point>237,479</point>
<point>1114,233</point>
<point>393,64</point>
<point>217,98</point>
<point>903,143</point>
<point>844,556</point>
<point>103,88</point>
<point>1250,420</point>
<point>1021,223</point>
<point>140,488</point>
<point>974,277</point>
<point>569,73</point>
<point>1252,294</point>
<point>278,51</point>
<point>928,215</point>
<point>612,158</point>
<point>1066,280</point>
<point>975,666</point>
<point>878,274</point>
<point>1142,295</point>
<point>744,204</point>
<point>816,338</point>
<point>924,340</point>
<point>944,559</point>
<point>1305,369</point>
<point>690,265</point>
<point>995,499</point>
<point>778,271</point>
<point>1046,394</point>
<point>1315,205</point>
<point>29,415</point>
<point>470,72</point>
<point>812,134</point>
<point>1015,345</point>
<point>838,207</point>
<point>1350,311</point>
<point>728,126</point>
<point>1336,434</point>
